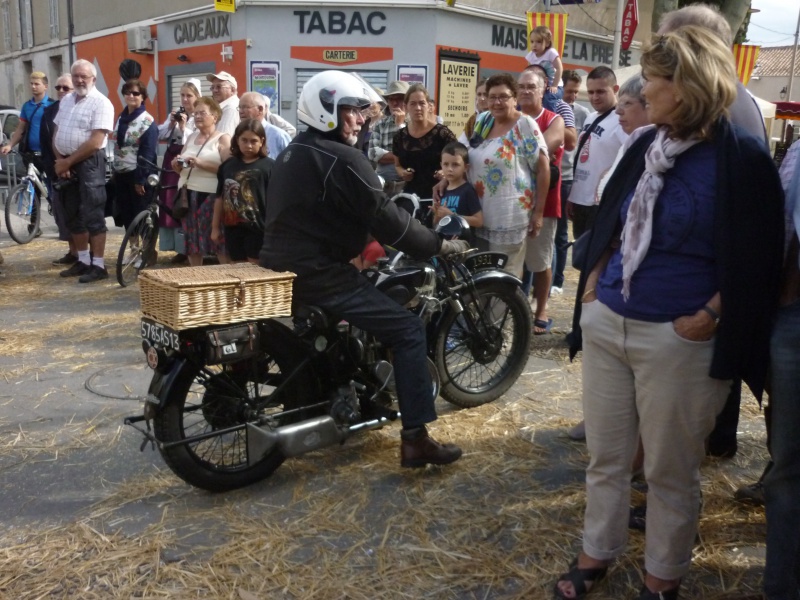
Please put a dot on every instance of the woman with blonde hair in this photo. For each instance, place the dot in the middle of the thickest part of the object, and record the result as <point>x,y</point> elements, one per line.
<point>676,299</point>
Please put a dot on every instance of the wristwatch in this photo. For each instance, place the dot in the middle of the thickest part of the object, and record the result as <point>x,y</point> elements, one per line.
<point>713,314</point>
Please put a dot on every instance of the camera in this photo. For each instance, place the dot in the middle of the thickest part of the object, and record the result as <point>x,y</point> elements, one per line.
<point>184,162</point>
<point>178,113</point>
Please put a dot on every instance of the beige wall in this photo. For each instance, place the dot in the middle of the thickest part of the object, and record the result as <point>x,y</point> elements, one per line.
<point>115,13</point>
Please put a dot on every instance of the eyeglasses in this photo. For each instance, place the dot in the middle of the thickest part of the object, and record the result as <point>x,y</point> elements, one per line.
<point>503,98</point>
<point>626,104</point>
<point>219,86</point>
<point>63,88</point>
<point>352,110</point>
<point>132,93</point>
<point>201,113</point>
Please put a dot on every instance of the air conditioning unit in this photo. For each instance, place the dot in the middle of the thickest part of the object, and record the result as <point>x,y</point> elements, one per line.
<point>139,39</point>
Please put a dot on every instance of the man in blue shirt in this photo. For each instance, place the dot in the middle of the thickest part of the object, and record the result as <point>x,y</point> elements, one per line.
<point>30,119</point>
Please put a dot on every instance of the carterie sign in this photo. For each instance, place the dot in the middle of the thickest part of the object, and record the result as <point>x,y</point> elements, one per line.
<point>630,20</point>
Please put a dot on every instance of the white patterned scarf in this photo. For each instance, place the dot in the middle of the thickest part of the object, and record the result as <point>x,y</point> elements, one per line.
<point>638,230</point>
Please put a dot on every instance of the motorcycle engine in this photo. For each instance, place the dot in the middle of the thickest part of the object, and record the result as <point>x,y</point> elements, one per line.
<point>344,406</point>
<point>407,285</point>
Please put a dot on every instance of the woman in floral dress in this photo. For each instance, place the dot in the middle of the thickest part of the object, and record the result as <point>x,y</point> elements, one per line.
<point>509,169</point>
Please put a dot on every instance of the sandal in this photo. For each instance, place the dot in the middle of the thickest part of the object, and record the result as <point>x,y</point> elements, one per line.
<point>579,578</point>
<point>670,594</point>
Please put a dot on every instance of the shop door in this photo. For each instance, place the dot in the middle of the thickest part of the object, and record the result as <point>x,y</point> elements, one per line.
<point>175,83</point>
<point>378,79</point>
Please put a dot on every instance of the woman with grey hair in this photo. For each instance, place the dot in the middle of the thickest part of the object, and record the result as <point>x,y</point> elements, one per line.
<point>632,115</point>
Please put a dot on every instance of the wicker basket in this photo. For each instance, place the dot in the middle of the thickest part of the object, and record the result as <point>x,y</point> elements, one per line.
<point>215,295</point>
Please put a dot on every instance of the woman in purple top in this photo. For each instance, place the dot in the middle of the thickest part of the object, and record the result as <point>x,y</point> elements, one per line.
<point>675,300</point>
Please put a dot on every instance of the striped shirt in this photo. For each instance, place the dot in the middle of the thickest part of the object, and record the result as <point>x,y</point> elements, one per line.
<point>78,117</point>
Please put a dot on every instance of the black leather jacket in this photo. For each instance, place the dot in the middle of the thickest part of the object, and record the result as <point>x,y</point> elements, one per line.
<point>323,199</point>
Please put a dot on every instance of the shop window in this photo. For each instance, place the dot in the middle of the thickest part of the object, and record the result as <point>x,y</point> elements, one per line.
<point>54,24</point>
<point>25,24</point>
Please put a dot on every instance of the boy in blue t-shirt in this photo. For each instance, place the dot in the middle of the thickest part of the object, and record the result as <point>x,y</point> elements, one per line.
<point>460,197</point>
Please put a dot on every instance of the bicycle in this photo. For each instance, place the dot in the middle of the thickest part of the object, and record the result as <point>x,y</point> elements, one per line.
<point>138,249</point>
<point>23,206</point>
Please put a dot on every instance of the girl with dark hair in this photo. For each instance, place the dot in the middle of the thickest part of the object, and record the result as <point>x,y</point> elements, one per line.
<point>242,192</point>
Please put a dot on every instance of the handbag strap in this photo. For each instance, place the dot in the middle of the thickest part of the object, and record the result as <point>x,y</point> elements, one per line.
<point>589,131</point>
<point>215,136</point>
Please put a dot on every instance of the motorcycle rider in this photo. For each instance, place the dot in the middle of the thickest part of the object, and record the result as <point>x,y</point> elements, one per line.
<point>324,199</point>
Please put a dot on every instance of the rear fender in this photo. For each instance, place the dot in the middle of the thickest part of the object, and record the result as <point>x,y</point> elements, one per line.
<point>162,383</point>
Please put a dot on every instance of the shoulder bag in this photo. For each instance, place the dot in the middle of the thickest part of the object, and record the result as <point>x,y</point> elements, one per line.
<point>181,206</point>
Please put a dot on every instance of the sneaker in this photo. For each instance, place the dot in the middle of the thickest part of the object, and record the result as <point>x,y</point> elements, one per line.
<point>94,273</point>
<point>179,259</point>
<point>556,291</point>
<point>77,268</point>
<point>31,228</point>
<point>67,259</point>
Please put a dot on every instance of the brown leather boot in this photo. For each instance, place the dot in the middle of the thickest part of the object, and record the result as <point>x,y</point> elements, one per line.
<point>419,449</point>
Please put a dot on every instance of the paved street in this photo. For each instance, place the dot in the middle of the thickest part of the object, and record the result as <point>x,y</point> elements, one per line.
<point>87,515</point>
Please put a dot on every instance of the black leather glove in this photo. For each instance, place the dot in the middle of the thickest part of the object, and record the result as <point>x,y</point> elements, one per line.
<point>453,247</point>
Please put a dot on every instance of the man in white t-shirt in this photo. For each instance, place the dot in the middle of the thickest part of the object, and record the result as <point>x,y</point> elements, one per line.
<point>84,120</point>
<point>598,144</point>
<point>223,90</point>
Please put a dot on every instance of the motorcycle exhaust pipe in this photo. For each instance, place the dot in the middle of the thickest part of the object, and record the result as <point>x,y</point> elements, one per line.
<point>300,438</point>
<point>294,439</point>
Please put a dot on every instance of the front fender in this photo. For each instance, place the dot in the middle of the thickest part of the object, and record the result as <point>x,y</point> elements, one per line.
<point>478,277</point>
<point>496,275</point>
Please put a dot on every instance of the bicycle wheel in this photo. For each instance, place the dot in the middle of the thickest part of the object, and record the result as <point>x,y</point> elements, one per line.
<point>138,248</point>
<point>23,213</point>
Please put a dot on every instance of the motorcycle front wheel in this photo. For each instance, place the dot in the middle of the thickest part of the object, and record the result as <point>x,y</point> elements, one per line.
<point>481,352</point>
<point>210,399</point>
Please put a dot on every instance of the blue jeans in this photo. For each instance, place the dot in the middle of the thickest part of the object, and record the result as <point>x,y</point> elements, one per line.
<point>782,482</point>
<point>395,327</point>
<point>562,237</point>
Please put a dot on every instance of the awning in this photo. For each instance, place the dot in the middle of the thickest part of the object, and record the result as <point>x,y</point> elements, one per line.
<point>787,110</point>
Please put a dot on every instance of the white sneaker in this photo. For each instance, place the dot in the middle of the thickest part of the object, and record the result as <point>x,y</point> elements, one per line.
<point>556,291</point>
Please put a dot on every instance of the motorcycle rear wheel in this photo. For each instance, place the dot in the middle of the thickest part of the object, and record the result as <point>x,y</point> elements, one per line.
<point>477,367</point>
<point>209,399</point>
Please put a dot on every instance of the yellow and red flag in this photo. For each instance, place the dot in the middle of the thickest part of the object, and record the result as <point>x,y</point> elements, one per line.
<point>746,56</point>
<point>557,22</point>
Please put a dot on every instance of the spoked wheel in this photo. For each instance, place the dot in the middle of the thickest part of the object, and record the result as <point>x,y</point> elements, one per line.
<point>215,399</point>
<point>138,249</point>
<point>23,214</point>
<point>477,364</point>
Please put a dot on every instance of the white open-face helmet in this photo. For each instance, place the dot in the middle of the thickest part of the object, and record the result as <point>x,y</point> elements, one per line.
<point>324,93</point>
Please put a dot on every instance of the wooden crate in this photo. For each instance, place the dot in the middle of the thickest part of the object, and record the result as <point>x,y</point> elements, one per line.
<point>189,297</point>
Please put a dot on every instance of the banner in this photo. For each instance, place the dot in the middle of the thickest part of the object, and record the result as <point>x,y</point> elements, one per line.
<point>746,57</point>
<point>557,22</point>
<point>225,5</point>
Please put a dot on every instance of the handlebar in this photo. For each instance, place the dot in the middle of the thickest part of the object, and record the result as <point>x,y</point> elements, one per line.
<point>143,162</point>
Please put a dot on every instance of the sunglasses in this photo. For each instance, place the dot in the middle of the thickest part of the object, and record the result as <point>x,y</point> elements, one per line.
<point>132,93</point>
<point>63,88</point>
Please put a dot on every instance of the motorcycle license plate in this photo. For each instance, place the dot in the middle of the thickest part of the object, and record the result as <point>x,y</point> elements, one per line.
<point>160,335</point>
<point>486,260</point>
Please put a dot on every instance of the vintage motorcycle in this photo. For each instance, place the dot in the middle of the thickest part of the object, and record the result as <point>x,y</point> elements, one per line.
<point>229,404</point>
